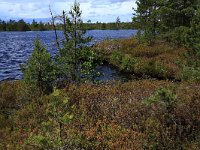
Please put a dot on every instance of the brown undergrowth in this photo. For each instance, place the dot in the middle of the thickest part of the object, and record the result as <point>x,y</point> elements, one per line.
<point>160,60</point>
<point>145,114</point>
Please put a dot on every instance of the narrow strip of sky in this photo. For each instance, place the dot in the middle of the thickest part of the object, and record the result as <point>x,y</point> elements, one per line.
<point>94,10</point>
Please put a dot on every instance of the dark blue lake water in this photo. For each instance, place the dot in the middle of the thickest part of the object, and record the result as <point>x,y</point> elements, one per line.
<point>16,47</point>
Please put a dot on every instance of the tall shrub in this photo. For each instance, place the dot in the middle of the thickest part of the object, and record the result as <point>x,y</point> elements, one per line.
<point>39,70</point>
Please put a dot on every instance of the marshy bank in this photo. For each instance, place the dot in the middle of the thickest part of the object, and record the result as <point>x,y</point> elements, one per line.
<point>112,114</point>
<point>102,116</point>
<point>161,61</point>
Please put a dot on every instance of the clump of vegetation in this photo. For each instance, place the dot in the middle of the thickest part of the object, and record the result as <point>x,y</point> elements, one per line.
<point>160,60</point>
<point>142,114</point>
<point>93,116</point>
<point>39,71</point>
<point>76,60</point>
<point>58,115</point>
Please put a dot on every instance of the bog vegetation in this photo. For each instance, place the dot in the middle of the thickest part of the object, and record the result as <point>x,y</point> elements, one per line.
<point>59,105</point>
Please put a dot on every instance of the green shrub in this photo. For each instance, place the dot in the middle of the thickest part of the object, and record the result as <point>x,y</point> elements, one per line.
<point>162,96</point>
<point>191,74</point>
<point>158,69</point>
<point>116,57</point>
<point>39,70</point>
<point>127,63</point>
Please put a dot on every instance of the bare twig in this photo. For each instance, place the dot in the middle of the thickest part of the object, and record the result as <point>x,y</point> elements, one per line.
<point>54,27</point>
<point>64,25</point>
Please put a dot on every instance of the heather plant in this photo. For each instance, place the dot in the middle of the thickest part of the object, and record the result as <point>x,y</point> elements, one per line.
<point>144,114</point>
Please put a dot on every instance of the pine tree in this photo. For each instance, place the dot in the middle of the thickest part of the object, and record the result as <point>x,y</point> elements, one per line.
<point>118,23</point>
<point>167,18</point>
<point>146,18</point>
<point>34,25</point>
<point>72,59</point>
<point>193,39</point>
<point>39,70</point>
<point>176,18</point>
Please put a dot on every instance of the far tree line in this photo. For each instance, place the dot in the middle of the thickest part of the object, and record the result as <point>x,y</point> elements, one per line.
<point>21,25</point>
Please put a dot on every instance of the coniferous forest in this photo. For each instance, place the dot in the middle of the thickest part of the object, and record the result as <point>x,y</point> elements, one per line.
<point>21,25</point>
<point>60,105</point>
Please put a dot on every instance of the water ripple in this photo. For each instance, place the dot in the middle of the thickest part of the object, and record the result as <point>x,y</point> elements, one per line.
<point>16,47</point>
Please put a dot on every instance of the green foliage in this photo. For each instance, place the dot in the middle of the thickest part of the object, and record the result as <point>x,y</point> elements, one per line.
<point>163,96</point>
<point>193,38</point>
<point>39,70</point>
<point>158,69</point>
<point>109,26</point>
<point>140,37</point>
<point>191,71</point>
<point>58,109</point>
<point>127,63</point>
<point>58,114</point>
<point>178,36</point>
<point>38,142</point>
<point>146,18</point>
<point>76,59</point>
<point>88,63</point>
<point>170,20</point>
<point>116,57</point>
<point>118,23</point>
<point>191,74</point>
<point>21,25</point>
<point>2,25</point>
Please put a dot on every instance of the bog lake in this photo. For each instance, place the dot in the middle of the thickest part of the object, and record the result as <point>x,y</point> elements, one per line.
<point>16,48</point>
